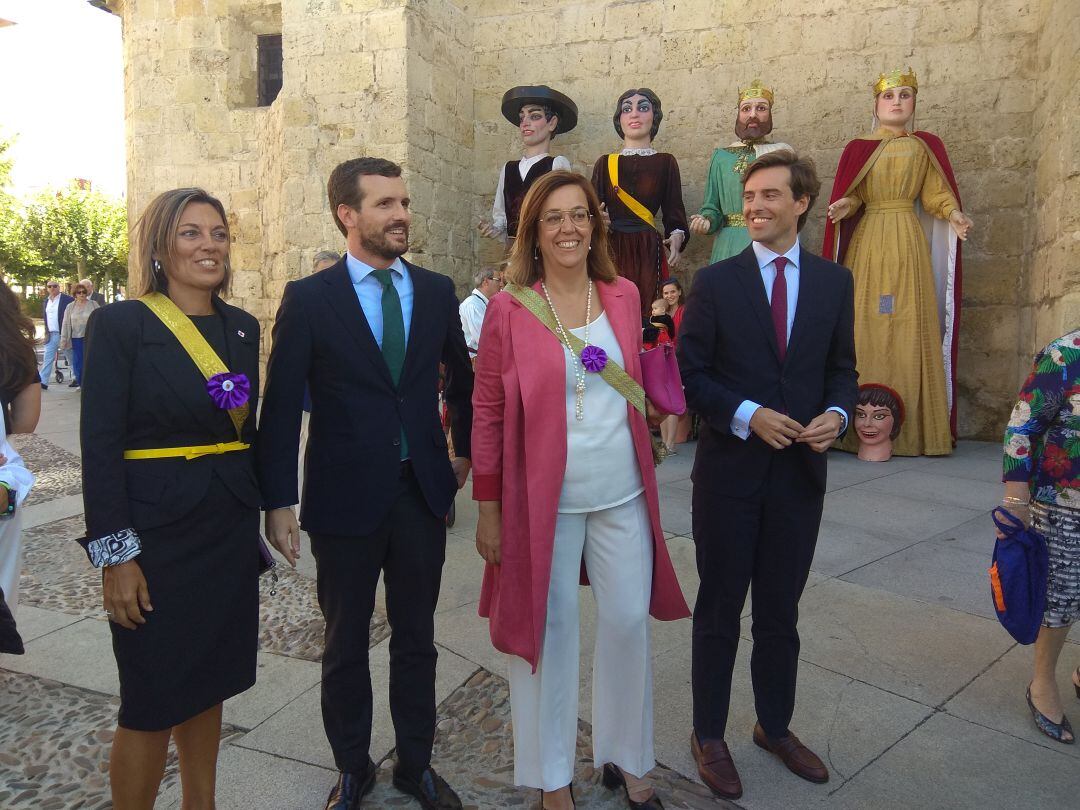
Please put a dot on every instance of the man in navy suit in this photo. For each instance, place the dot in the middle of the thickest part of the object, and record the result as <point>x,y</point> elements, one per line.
<point>767,353</point>
<point>368,335</point>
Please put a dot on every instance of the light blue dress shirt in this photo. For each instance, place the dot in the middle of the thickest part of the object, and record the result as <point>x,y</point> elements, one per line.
<point>369,292</point>
<point>740,423</point>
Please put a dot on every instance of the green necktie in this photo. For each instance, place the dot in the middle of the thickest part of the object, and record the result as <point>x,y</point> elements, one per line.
<point>393,335</point>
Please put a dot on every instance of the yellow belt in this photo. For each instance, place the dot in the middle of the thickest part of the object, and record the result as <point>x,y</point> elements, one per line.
<point>735,220</point>
<point>891,205</point>
<point>188,453</point>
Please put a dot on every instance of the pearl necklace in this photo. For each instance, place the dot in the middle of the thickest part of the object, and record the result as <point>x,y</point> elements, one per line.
<point>575,364</point>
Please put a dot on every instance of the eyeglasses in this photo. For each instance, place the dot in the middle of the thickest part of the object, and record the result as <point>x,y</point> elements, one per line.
<point>554,219</point>
<point>80,292</point>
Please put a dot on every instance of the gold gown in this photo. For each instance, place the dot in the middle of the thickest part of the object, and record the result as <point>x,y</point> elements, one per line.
<point>898,332</point>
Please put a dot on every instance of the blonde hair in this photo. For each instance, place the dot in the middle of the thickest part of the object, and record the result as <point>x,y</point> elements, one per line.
<point>155,234</point>
<point>524,267</point>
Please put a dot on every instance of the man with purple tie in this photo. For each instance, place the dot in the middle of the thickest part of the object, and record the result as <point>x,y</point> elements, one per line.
<point>767,353</point>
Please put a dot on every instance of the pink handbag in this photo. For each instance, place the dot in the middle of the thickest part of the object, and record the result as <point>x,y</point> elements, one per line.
<point>661,380</point>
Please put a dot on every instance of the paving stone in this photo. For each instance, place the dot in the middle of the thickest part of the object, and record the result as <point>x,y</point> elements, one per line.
<point>34,622</point>
<point>842,548</point>
<point>923,652</point>
<point>54,743</point>
<point>57,471</point>
<point>893,514</point>
<point>936,572</point>
<point>996,697</point>
<point>948,762</point>
<point>79,654</point>
<point>278,681</point>
<point>920,484</point>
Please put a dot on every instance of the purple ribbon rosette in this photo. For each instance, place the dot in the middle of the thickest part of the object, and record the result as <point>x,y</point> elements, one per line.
<point>593,358</point>
<point>228,390</point>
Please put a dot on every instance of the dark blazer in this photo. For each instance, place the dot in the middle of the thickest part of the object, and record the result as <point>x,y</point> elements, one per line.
<point>728,354</point>
<point>65,299</point>
<point>140,390</point>
<point>322,337</point>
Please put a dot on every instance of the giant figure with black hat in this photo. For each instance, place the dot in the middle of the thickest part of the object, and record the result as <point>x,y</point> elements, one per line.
<point>540,114</point>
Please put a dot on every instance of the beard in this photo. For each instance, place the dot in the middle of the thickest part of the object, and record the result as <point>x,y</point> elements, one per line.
<point>752,129</point>
<point>378,242</point>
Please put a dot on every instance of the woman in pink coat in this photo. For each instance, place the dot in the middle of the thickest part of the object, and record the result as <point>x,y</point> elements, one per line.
<point>563,472</point>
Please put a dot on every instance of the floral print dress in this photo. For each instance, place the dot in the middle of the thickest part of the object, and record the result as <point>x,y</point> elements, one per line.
<point>1042,441</point>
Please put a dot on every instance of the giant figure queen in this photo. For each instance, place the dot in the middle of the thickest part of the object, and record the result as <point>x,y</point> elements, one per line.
<point>894,218</point>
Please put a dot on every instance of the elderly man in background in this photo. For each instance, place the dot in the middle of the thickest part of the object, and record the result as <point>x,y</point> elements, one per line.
<point>488,281</point>
<point>91,295</point>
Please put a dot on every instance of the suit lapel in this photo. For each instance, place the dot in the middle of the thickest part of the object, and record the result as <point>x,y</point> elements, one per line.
<point>420,325</point>
<point>749,275</point>
<point>180,373</point>
<point>342,299</point>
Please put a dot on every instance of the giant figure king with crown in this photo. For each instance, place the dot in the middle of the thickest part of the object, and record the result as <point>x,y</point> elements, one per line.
<point>721,210</point>
<point>894,218</point>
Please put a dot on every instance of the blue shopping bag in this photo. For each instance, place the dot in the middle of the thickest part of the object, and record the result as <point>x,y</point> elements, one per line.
<point>1018,577</point>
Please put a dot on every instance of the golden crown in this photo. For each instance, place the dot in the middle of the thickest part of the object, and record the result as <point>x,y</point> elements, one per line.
<point>756,90</point>
<point>896,78</point>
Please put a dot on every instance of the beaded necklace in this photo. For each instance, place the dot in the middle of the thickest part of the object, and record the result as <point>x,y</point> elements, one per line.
<point>578,367</point>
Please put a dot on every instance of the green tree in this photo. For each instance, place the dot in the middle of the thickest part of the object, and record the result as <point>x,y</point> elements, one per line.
<point>78,232</point>
<point>17,259</point>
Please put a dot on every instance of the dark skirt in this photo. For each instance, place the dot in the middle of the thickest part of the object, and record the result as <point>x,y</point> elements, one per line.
<point>199,644</point>
<point>640,257</point>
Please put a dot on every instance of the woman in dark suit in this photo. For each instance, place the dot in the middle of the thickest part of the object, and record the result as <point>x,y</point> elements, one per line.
<point>171,500</point>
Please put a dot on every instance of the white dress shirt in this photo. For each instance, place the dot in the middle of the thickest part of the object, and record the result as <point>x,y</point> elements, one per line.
<point>471,311</point>
<point>766,259</point>
<point>369,292</point>
<point>498,210</point>
<point>52,309</point>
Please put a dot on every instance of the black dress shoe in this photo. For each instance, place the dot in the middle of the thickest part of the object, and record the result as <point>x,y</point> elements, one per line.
<point>430,790</point>
<point>351,789</point>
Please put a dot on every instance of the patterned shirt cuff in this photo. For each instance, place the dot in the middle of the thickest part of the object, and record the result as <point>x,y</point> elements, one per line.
<point>112,549</point>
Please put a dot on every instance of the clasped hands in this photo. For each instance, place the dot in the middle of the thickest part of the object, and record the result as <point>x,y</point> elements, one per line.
<point>779,430</point>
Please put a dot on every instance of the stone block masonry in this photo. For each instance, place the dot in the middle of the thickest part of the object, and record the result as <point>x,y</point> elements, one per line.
<point>419,82</point>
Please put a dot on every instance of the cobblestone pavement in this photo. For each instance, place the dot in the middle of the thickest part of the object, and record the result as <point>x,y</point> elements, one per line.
<point>55,738</point>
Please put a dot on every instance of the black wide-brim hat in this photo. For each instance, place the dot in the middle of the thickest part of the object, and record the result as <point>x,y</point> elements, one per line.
<point>517,97</point>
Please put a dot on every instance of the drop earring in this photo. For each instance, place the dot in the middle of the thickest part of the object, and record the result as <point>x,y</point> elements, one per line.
<point>536,253</point>
<point>156,265</point>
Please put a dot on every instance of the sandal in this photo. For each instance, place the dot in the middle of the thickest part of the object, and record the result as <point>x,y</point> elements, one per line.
<point>1076,682</point>
<point>1055,731</point>
<point>613,779</point>
<point>573,802</point>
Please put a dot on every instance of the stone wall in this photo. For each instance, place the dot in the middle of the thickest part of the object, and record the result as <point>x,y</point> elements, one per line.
<point>977,68</point>
<point>1050,287</point>
<point>419,81</point>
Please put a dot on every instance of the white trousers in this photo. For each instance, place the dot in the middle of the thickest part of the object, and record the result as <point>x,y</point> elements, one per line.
<point>11,558</point>
<point>617,548</point>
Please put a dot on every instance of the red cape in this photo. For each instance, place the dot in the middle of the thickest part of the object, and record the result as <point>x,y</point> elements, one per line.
<point>858,156</point>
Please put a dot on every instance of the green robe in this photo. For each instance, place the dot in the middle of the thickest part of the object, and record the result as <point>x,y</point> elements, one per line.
<point>723,196</point>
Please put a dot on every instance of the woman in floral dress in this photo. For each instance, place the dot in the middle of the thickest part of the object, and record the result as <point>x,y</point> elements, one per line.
<point>1042,488</point>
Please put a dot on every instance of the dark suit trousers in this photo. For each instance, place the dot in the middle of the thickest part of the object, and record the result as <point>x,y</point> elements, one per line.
<point>766,542</point>
<point>408,549</point>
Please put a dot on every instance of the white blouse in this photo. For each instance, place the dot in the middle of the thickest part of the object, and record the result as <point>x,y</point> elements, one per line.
<point>601,466</point>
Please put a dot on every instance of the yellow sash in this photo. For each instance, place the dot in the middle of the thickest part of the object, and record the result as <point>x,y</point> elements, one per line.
<point>624,196</point>
<point>200,352</point>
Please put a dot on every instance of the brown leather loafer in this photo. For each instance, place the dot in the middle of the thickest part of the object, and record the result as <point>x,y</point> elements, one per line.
<point>716,767</point>
<point>799,759</point>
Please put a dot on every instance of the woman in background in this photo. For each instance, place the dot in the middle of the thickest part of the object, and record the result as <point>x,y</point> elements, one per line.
<point>74,330</point>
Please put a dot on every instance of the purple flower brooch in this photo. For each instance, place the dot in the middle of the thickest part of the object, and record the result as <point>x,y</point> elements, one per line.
<point>593,358</point>
<point>229,390</point>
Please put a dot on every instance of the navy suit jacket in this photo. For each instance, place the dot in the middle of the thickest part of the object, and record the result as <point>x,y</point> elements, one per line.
<point>728,354</point>
<point>322,338</point>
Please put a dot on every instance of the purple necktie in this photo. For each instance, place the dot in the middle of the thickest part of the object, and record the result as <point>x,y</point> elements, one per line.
<point>779,306</point>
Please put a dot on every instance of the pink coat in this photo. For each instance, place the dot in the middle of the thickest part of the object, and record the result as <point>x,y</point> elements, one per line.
<point>519,458</point>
